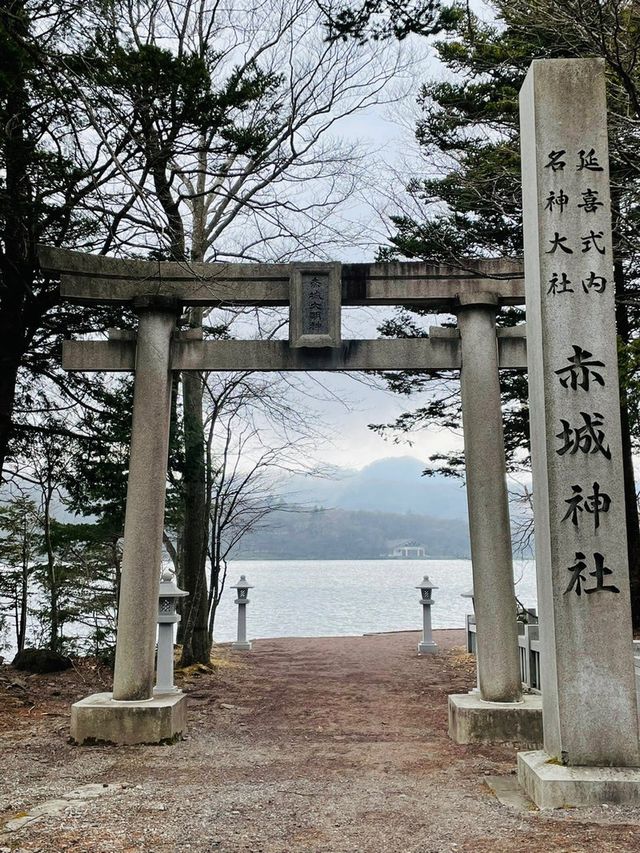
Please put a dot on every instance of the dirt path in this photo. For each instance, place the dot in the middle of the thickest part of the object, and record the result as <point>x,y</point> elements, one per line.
<point>335,745</point>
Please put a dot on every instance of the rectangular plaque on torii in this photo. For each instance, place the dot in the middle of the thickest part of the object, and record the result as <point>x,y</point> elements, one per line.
<point>315,295</point>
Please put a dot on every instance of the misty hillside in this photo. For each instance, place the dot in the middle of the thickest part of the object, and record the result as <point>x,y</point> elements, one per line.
<point>392,485</point>
<point>336,534</point>
<point>359,514</point>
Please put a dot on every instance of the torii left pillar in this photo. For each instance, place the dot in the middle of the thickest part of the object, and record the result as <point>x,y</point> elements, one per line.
<point>132,714</point>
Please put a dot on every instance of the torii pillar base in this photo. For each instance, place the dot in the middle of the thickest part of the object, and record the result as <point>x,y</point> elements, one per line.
<point>473,720</point>
<point>102,719</point>
<point>553,786</point>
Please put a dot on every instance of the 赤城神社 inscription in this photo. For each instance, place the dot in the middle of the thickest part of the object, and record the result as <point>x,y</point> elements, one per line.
<point>588,689</point>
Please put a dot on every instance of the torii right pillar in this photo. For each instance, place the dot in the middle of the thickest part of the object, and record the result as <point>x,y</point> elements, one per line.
<point>590,719</point>
<point>500,712</point>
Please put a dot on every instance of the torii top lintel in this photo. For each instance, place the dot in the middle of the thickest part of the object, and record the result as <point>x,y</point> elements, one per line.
<point>87,278</point>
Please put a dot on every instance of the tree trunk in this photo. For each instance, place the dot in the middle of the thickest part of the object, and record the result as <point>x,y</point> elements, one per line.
<point>196,643</point>
<point>630,500</point>
<point>24,601</point>
<point>17,260</point>
<point>9,363</point>
<point>24,589</point>
<point>196,646</point>
<point>54,622</point>
<point>216,568</point>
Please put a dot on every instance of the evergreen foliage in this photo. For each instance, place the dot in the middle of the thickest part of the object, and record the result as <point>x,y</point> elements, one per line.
<point>383,19</point>
<point>58,581</point>
<point>469,205</point>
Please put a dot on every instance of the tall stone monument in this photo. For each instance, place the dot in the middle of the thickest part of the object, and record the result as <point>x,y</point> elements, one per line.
<point>591,750</point>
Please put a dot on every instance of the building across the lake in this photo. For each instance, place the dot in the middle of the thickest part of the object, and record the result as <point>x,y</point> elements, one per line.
<point>407,551</point>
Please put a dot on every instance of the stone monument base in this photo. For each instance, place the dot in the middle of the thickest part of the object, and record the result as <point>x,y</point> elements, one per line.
<point>427,648</point>
<point>554,786</point>
<point>473,720</point>
<point>101,719</point>
<point>241,647</point>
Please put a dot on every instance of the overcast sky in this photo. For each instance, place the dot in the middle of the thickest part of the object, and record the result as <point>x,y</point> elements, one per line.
<point>388,133</point>
<point>355,445</point>
<point>348,406</point>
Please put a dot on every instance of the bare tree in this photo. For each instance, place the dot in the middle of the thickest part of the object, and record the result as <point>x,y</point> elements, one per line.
<point>221,122</point>
<point>230,113</point>
<point>240,497</point>
<point>194,131</point>
<point>253,436</point>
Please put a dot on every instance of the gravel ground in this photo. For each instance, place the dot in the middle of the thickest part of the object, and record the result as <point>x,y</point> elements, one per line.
<point>336,745</point>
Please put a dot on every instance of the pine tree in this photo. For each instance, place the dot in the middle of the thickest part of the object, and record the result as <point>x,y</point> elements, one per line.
<point>470,205</point>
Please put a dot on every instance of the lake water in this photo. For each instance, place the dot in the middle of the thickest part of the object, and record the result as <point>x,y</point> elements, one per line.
<point>321,598</point>
<point>316,598</point>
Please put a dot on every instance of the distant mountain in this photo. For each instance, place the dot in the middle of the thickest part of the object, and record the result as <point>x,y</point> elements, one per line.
<point>361,514</point>
<point>392,485</point>
<point>337,534</point>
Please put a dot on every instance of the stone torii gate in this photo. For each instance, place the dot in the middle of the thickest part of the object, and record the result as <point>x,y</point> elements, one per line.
<point>315,293</point>
<point>590,713</point>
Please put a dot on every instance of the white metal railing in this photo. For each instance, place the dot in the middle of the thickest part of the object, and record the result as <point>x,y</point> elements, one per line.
<point>529,647</point>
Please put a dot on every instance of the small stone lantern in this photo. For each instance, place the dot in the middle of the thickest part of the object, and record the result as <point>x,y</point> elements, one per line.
<point>426,588</point>
<point>167,618</point>
<point>241,644</point>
